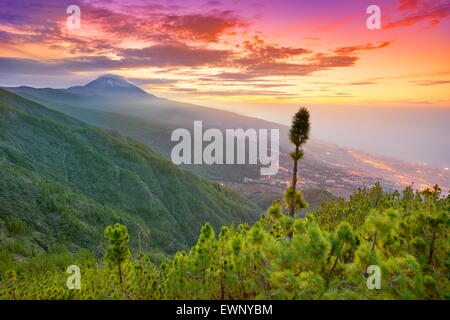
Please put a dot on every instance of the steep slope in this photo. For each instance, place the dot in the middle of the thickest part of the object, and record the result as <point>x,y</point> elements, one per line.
<point>63,181</point>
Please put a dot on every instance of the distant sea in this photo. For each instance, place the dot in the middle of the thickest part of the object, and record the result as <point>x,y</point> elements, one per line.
<point>416,134</point>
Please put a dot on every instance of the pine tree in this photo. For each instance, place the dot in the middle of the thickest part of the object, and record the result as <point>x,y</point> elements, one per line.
<point>298,134</point>
<point>118,253</point>
<point>343,240</point>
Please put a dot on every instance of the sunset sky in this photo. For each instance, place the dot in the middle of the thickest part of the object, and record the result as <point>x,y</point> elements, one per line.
<point>265,52</point>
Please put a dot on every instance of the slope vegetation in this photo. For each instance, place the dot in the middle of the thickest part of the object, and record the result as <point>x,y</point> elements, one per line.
<point>63,181</point>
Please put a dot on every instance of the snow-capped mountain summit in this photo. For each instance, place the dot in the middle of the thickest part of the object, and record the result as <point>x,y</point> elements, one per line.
<point>110,85</point>
<point>109,81</point>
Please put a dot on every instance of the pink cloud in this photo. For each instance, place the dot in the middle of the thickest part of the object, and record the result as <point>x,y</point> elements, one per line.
<point>421,11</point>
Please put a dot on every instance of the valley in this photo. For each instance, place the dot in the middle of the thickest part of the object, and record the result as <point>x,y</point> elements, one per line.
<point>151,120</point>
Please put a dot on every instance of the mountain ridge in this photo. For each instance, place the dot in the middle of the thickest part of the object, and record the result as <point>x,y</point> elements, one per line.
<point>338,170</point>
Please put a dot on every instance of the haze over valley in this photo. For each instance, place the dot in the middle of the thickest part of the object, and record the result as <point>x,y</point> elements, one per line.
<point>112,102</point>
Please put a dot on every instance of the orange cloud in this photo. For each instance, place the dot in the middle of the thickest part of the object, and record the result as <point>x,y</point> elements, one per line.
<point>353,49</point>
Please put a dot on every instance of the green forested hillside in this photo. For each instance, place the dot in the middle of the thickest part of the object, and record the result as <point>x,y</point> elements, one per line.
<point>332,255</point>
<point>62,181</point>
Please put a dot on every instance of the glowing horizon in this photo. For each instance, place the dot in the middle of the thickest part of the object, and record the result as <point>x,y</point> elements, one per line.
<point>254,52</point>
